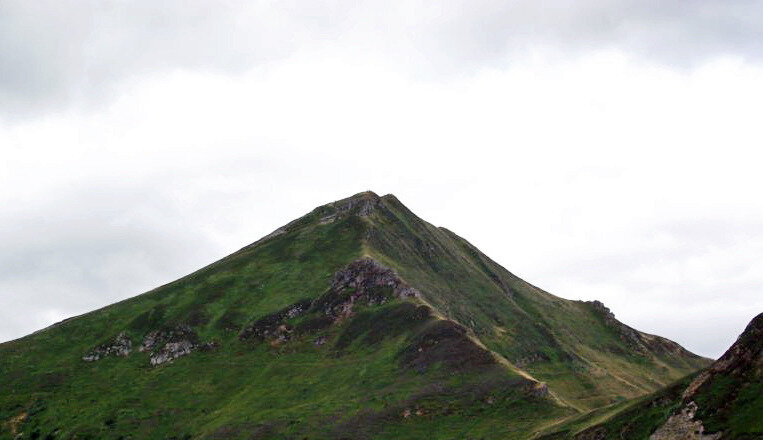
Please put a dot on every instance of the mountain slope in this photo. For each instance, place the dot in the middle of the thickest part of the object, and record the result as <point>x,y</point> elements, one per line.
<point>587,356</point>
<point>724,400</point>
<point>357,320</point>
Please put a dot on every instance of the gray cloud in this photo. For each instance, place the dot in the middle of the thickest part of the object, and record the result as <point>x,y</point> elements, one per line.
<point>701,279</point>
<point>54,54</point>
<point>84,246</point>
<point>593,179</point>
<point>88,247</point>
<point>81,245</point>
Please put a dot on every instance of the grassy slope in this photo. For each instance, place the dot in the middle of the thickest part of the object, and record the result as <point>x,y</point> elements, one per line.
<point>633,419</point>
<point>731,405</point>
<point>565,343</point>
<point>47,366</point>
<point>299,388</point>
<point>729,395</point>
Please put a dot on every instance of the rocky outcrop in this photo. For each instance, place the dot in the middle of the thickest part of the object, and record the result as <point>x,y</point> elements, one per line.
<point>362,204</point>
<point>366,274</point>
<point>163,345</point>
<point>168,344</point>
<point>121,345</point>
<point>628,335</point>
<point>362,281</point>
<point>683,426</point>
<point>274,326</point>
<point>744,357</point>
<point>641,343</point>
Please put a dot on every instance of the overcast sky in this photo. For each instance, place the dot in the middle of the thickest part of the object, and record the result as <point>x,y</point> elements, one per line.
<point>598,149</point>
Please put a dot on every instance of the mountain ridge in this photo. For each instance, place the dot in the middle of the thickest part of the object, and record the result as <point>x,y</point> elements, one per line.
<point>356,285</point>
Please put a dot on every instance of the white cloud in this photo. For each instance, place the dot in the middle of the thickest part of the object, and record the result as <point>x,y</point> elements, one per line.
<point>597,173</point>
<point>63,53</point>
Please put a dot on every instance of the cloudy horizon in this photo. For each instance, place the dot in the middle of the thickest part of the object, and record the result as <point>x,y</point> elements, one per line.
<point>599,150</point>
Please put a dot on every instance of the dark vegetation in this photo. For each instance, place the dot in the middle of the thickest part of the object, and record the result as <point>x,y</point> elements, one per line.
<point>445,343</point>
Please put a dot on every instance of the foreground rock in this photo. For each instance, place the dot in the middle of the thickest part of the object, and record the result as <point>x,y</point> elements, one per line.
<point>683,426</point>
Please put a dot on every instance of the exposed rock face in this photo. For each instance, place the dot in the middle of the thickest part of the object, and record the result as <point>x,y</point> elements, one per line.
<point>682,426</point>
<point>169,344</point>
<point>364,280</point>
<point>171,351</point>
<point>366,274</point>
<point>361,282</point>
<point>120,346</point>
<point>363,203</point>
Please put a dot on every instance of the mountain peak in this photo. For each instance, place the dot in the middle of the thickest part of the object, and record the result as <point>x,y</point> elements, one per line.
<point>361,204</point>
<point>358,304</point>
<point>365,195</point>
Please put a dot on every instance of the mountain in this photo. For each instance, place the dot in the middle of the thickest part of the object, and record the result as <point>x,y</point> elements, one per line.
<point>723,401</point>
<point>357,320</point>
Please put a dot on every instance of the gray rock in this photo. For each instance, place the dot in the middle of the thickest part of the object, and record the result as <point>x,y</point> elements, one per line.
<point>121,345</point>
<point>171,351</point>
<point>364,277</point>
<point>682,426</point>
<point>169,344</point>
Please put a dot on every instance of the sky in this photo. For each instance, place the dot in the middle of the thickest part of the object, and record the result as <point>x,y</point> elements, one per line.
<point>598,149</point>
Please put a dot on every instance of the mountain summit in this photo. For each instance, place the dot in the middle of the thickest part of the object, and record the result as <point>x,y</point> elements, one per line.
<point>357,320</point>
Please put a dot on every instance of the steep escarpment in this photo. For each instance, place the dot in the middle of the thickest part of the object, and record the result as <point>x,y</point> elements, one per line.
<point>357,320</point>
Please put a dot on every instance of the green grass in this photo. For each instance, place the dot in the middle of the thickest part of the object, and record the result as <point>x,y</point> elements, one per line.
<point>369,373</point>
<point>728,395</point>
<point>584,360</point>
